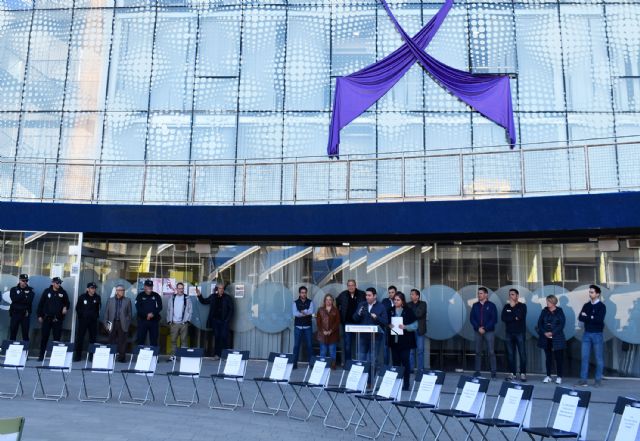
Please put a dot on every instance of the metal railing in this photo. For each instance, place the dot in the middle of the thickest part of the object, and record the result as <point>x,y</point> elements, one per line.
<point>444,175</point>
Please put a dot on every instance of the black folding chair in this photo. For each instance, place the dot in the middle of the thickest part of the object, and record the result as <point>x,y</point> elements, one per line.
<point>143,363</point>
<point>103,358</point>
<point>14,358</point>
<point>469,400</point>
<point>189,362</point>
<point>387,388</point>
<point>231,368</point>
<point>623,404</point>
<point>60,360</point>
<point>276,372</point>
<point>352,381</point>
<point>567,426</point>
<point>316,378</point>
<point>425,395</point>
<point>511,410</point>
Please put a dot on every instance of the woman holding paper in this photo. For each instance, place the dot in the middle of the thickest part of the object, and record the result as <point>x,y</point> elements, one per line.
<point>402,335</point>
<point>551,337</point>
<point>328,326</point>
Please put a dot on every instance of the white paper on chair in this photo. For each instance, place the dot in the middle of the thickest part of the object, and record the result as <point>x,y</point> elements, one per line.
<point>353,379</point>
<point>511,404</point>
<point>425,390</point>
<point>279,368</point>
<point>233,364</point>
<point>190,365</point>
<point>317,372</point>
<point>58,356</point>
<point>628,429</point>
<point>468,396</point>
<point>566,413</point>
<point>102,358</point>
<point>396,322</point>
<point>9,437</point>
<point>386,386</point>
<point>13,356</point>
<point>143,362</point>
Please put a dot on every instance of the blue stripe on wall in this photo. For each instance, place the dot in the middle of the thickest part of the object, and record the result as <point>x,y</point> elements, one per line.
<point>526,217</point>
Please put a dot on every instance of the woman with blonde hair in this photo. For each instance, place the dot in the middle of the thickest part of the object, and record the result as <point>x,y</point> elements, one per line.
<point>328,328</point>
<point>551,337</point>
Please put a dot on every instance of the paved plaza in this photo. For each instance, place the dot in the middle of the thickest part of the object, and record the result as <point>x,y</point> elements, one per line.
<point>72,420</point>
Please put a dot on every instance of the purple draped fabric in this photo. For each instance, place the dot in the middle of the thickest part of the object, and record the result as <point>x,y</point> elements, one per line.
<point>488,94</point>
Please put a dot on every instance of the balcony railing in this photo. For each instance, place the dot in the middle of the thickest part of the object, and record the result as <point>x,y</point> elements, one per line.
<point>438,175</point>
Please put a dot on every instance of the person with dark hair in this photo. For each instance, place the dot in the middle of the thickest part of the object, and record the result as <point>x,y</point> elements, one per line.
<point>328,328</point>
<point>592,315</point>
<point>388,304</point>
<point>52,309</point>
<point>514,316</point>
<point>117,319</point>
<point>551,337</point>
<point>179,310</point>
<point>371,312</point>
<point>148,307</point>
<point>88,313</point>
<point>484,317</point>
<point>402,345</point>
<point>220,316</point>
<point>419,308</point>
<point>20,310</point>
<point>302,310</point>
<point>347,302</point>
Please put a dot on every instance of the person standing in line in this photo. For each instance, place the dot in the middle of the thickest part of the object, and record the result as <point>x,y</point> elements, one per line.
<point>388,304</point>
<point>302,310</point>
<point>347,302</point>
<point>20,310</point>
<point>484,317</point>
<point>148,307</point>
<point>117,319</point>
<point>551,337</point>
<point>179,310</point>
<point>219,318</point>
<point>371,312</point>
<point>514,316</point>
<point>419,308</point>
<point>592,315</point>
<point>88,313</point>
<point>52,309</point>
<point>402,345</point>
<point>328,328</point>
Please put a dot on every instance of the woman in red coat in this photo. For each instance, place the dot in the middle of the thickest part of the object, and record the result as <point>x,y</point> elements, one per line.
<point>328,328</point>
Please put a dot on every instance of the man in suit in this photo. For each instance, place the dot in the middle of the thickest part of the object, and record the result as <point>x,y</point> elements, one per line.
<point>371,312</point>
<point>117,321</point>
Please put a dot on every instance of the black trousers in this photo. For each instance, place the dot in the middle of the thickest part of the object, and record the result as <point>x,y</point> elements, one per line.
<point>84,326</point>
<point>21,322</point>
<point>49,325</point>
<point>119,337</point>
<point>150,326</point>
<point>402,357</point>
<point>221,336</point>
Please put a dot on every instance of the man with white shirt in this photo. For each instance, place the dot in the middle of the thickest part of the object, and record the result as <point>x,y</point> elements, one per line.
<point>179,312</point>
<point>302,310</point>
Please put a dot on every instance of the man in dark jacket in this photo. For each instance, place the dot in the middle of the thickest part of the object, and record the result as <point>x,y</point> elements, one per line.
<point>220,315</point>
<point>484,317</point>
<point>88,312</point>
<point>21,297</point>
<point>419,309</point>
<point>592,315</point>
<point>514,316</point>
<point>52,309</point>
<point>148,307</point>
<point>347,302</point>
<point>371,312</point>
<point>302,310</point>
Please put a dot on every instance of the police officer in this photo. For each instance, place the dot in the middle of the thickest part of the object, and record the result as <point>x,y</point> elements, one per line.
<point>88,311</point>
<point>52,309</point>
<point>148,307</point>
<point>20,309</point>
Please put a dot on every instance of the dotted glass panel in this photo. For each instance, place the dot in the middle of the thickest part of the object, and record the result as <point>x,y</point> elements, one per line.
<point>14,39</point>
<point>260,136</point>
<point>81,135</point>
<point>8,134</point>
<point>124,136</point>
<point>624,41</point>
<point>219,43</point>
<point>214,137</point>
<point>492,43</point>
<point>353,36</point>
<point>39,135</point>
<point>168,137</point>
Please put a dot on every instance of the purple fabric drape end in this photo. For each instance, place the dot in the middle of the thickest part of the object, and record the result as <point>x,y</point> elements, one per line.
<point>488,94</point>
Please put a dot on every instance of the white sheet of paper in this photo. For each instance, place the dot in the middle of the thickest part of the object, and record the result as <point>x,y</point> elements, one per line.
<point>566,413</point>
<point>8,437</point>
<point>317,372</point>
<point>510,405</point>
<point>279,368</point>
<point>190,365</point>
<point>425,390</point>
<point>353,379</point>
<point>468,396</point>
<point>13,356</point>
<point>143,362</point>
<point>102,358</point>
<point>233,365</point>
<point>386,386</point>
<point>628,430</point>
<point>58,356</point>
<point>396,321</point>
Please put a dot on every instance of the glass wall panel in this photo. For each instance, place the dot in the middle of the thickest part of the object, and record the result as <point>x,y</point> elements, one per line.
<point>14,43</point>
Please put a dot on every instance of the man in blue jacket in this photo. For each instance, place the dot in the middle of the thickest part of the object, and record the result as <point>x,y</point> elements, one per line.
<point>484,316</point>
<point>371,312</point>
<point>592,315</point>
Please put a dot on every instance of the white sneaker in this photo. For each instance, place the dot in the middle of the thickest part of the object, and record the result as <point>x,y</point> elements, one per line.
<point>547,380</point>
<point>558,380</point>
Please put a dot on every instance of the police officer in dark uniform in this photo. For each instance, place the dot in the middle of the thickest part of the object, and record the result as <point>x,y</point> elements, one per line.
<point>20,309</point>
<point>88,312</point>
<point>148,307</point>
<point>52,308</point>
